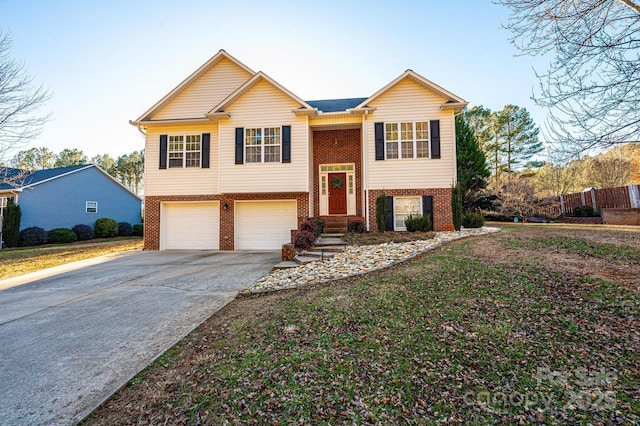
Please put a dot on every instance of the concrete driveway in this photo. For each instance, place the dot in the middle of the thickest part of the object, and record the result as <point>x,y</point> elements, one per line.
<point>69,341</point>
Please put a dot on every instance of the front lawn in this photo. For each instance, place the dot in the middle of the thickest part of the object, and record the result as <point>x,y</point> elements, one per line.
<point>21,261</point>
<point>536,324</point>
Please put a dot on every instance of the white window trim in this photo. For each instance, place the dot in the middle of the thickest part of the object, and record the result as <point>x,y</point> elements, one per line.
<point>262,145</point>
<point>184,151</point>
<point>415,140</point>
<point>86,207</point>
<point>395,199</point>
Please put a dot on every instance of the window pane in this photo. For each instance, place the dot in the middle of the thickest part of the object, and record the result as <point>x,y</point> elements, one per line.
<point>272,154</point>
<point>422,130</point>
<point>253,137</point>
<point>406,136</point>
<point>407,149</point>
<point>392,150</point>
<point>272,136</point>
<point>391,132</point>
<point>192,151</point>
<point>176,150</point>
<point>423,149</point>
<point>403,207</point>
<point>254,154</point>
<point>406,131</point>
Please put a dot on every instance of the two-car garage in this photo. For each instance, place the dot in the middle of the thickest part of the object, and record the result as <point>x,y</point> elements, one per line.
<point>258,225</point>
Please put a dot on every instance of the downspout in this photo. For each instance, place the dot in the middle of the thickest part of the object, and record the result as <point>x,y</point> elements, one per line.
<point>366,168</point>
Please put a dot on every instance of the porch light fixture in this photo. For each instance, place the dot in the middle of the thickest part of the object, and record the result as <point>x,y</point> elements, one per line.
<point>225,206</point>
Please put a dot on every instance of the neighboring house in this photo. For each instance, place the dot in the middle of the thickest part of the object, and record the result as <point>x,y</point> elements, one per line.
<point>68,196</point>
<point>236,161</point>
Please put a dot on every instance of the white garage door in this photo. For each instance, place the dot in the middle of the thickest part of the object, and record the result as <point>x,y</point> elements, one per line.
<point>264,225</point>
<point>190,226</point>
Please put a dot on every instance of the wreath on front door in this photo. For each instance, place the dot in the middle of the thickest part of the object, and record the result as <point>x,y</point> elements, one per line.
<point>337,182</point>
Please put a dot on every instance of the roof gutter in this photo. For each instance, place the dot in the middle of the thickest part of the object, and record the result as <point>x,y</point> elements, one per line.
<point>138,126</point>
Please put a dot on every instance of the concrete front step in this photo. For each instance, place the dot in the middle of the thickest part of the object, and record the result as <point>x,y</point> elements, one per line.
<point>332,235</point>
<point>329,241</point>
<point>319,254</point>
<point>285,265</point>
<point>303,260</point>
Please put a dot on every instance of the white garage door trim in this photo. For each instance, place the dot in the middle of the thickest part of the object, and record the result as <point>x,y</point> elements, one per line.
<point>190,225</point>
<point>264,225</point>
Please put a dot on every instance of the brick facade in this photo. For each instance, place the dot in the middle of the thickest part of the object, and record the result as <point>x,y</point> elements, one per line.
<point>442,215</point>
<point>336,147</point>
<point>227,217</point>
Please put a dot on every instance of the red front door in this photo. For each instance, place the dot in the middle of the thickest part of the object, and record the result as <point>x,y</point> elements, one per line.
<point>337,193</point>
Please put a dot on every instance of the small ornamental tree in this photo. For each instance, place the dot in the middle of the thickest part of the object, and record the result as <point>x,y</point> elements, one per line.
<point>11,224</point>
<point>456,207</point>
<point>381,215</point>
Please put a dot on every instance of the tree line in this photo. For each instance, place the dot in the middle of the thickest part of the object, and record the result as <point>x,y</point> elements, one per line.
<point>500,170</point>
<point>128,169</point>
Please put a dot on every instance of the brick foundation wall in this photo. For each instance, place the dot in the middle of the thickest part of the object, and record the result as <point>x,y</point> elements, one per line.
<point>227,237</point>
<point>621,216</point>
<point>335,147</point>
<point>442,216</point>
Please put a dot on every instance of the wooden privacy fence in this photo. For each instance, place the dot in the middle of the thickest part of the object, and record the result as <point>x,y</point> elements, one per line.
<point>622,197</point>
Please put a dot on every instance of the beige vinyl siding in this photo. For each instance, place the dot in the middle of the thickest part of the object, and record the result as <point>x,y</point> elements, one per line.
<point>206,92</point>
<point>179,181</point>
<point>337,120</point>
<point>264,106</point>
<point>407,102</point>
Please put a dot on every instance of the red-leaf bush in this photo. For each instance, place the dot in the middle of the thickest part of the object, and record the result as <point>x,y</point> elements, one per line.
<point>311,226</point>
<point>304,240</point>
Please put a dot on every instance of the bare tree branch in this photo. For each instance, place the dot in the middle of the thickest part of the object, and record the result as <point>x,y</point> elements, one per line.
<point>592,84</point>
<point>19,102</point>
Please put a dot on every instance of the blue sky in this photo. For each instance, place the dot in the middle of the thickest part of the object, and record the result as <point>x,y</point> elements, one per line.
<point>107,62</point>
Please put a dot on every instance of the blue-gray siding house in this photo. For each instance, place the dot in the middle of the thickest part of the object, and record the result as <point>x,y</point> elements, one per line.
<point>67,196</point>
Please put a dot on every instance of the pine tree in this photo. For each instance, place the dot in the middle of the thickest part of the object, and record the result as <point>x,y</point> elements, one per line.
<point>11,224</point>
<point>518,134</point>
<point>381,215</point>
<point>472,167</point>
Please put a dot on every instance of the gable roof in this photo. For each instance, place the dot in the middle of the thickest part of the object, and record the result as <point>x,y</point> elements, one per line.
<point>453,101</point>
<point>219,110</point>
<point>336,105</point>
<point>24,178</point>
<point>222,54</point>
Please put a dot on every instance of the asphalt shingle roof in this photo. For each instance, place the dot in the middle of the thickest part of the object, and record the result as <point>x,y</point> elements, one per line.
<point>33,177</point>
<point>335,105</point>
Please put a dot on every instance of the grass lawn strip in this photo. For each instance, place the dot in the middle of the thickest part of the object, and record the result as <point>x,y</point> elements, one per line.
<point>22,261</point>
<point>449,337</point>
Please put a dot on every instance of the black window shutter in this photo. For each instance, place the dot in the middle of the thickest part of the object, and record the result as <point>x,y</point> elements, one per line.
<point>239,145</point>
<point>286,144</point>
<point>435,138</point>
<point>427,207</point>
<point>163,151</point>
<point>206,148</point>
<point>388,222</point>
<point>379,132</point>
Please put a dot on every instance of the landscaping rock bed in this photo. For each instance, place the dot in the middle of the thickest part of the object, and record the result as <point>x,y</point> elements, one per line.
<point>355,260</point>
